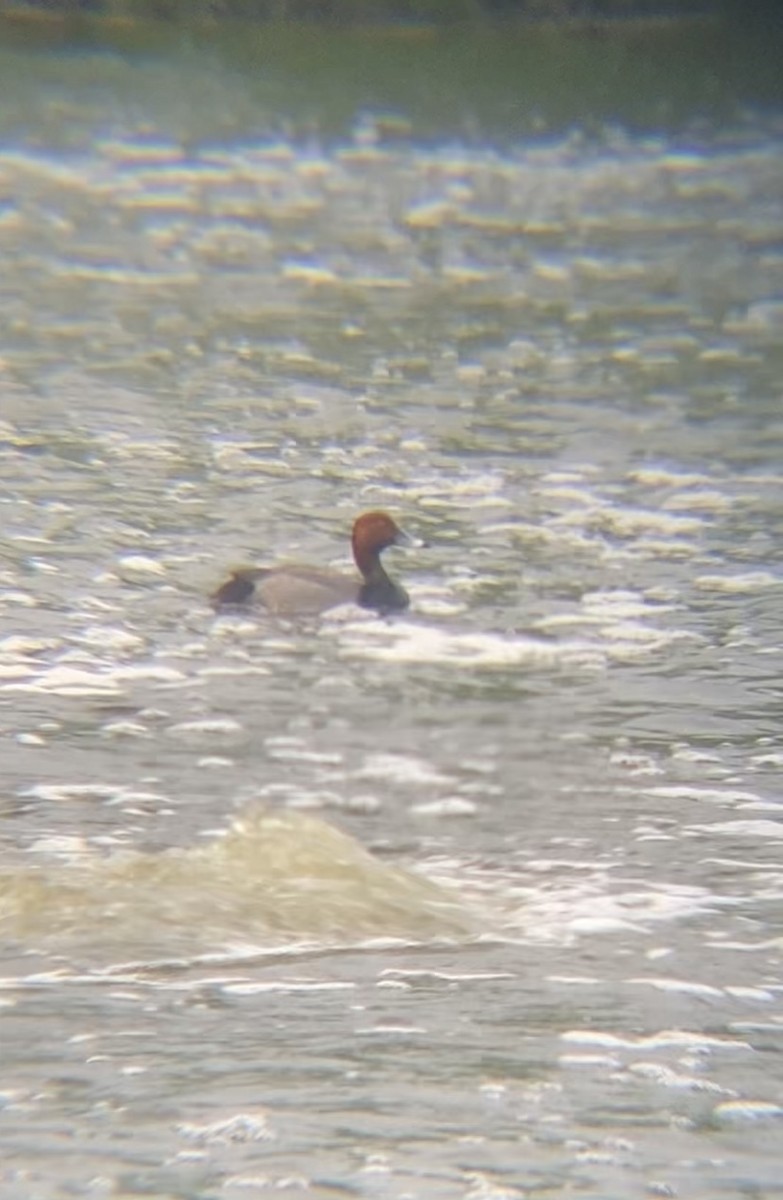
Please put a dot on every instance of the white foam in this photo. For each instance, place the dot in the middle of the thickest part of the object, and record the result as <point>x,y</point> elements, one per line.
<point>560,913</point>
<point>665,1039</point>
<point>402,769</point>
<point>110,639</point>
<point>769,830</point>
<point>139,566</point>
<point>150,671</point>
<point>207,727</point>
<point>450,806</point>
<point>22,599</point>
<point>636,522</point>
<point>475,490</point>
<point>726,796</point>
<point>106,793</point>
<point>130,729</point>
<point>17,670</point>
<point>68,681</point>
<point>296,751</point>
<point>241,1127</point>
<point>744,1111</point>
<point>252,988</point>
<point>680,985</point>
<point>773,759</point>
<point>437,606</point>
<point>750,993</point>
<point>589,1060</point>
<point>751,581</point>
<point>30,739</point>
<point>702,500</point>
<point>666,1077</point>
<point>17,644</point>
<point>622,605</point>
<point>61,845</point>
<point>405,642</point>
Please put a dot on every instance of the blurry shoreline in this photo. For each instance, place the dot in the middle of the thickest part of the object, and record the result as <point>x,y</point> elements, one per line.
<point>506,68</point>
<point>579,13</point>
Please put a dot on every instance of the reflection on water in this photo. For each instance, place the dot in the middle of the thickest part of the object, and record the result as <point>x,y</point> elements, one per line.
<point>483,900</point>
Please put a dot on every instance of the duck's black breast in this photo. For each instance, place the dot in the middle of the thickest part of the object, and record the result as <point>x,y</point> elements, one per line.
<point>383,595</point>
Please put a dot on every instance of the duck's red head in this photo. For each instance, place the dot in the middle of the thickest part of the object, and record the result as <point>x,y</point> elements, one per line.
<point>372,533</point>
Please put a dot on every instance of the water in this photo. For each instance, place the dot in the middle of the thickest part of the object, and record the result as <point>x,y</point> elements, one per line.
<point>482,901</point>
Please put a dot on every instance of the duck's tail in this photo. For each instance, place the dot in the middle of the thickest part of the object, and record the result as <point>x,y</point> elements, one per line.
<point>238,589</point>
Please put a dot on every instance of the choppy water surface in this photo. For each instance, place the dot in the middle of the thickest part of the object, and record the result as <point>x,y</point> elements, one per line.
<point>482,901</point>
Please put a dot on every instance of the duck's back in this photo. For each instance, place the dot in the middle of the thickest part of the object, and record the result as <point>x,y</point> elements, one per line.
<point>302,589</point>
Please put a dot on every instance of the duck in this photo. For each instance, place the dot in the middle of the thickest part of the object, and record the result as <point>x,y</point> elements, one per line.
<point>298,589</point>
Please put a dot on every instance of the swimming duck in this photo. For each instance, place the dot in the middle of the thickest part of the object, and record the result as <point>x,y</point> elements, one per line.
<point>299,589</point>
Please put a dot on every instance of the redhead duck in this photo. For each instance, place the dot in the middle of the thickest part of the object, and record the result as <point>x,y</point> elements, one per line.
<point>302,589</point>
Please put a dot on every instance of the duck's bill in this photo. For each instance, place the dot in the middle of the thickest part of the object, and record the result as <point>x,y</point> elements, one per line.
<point>403,538</point>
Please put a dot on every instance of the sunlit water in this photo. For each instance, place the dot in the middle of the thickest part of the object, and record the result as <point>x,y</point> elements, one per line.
<point>483,901</point>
